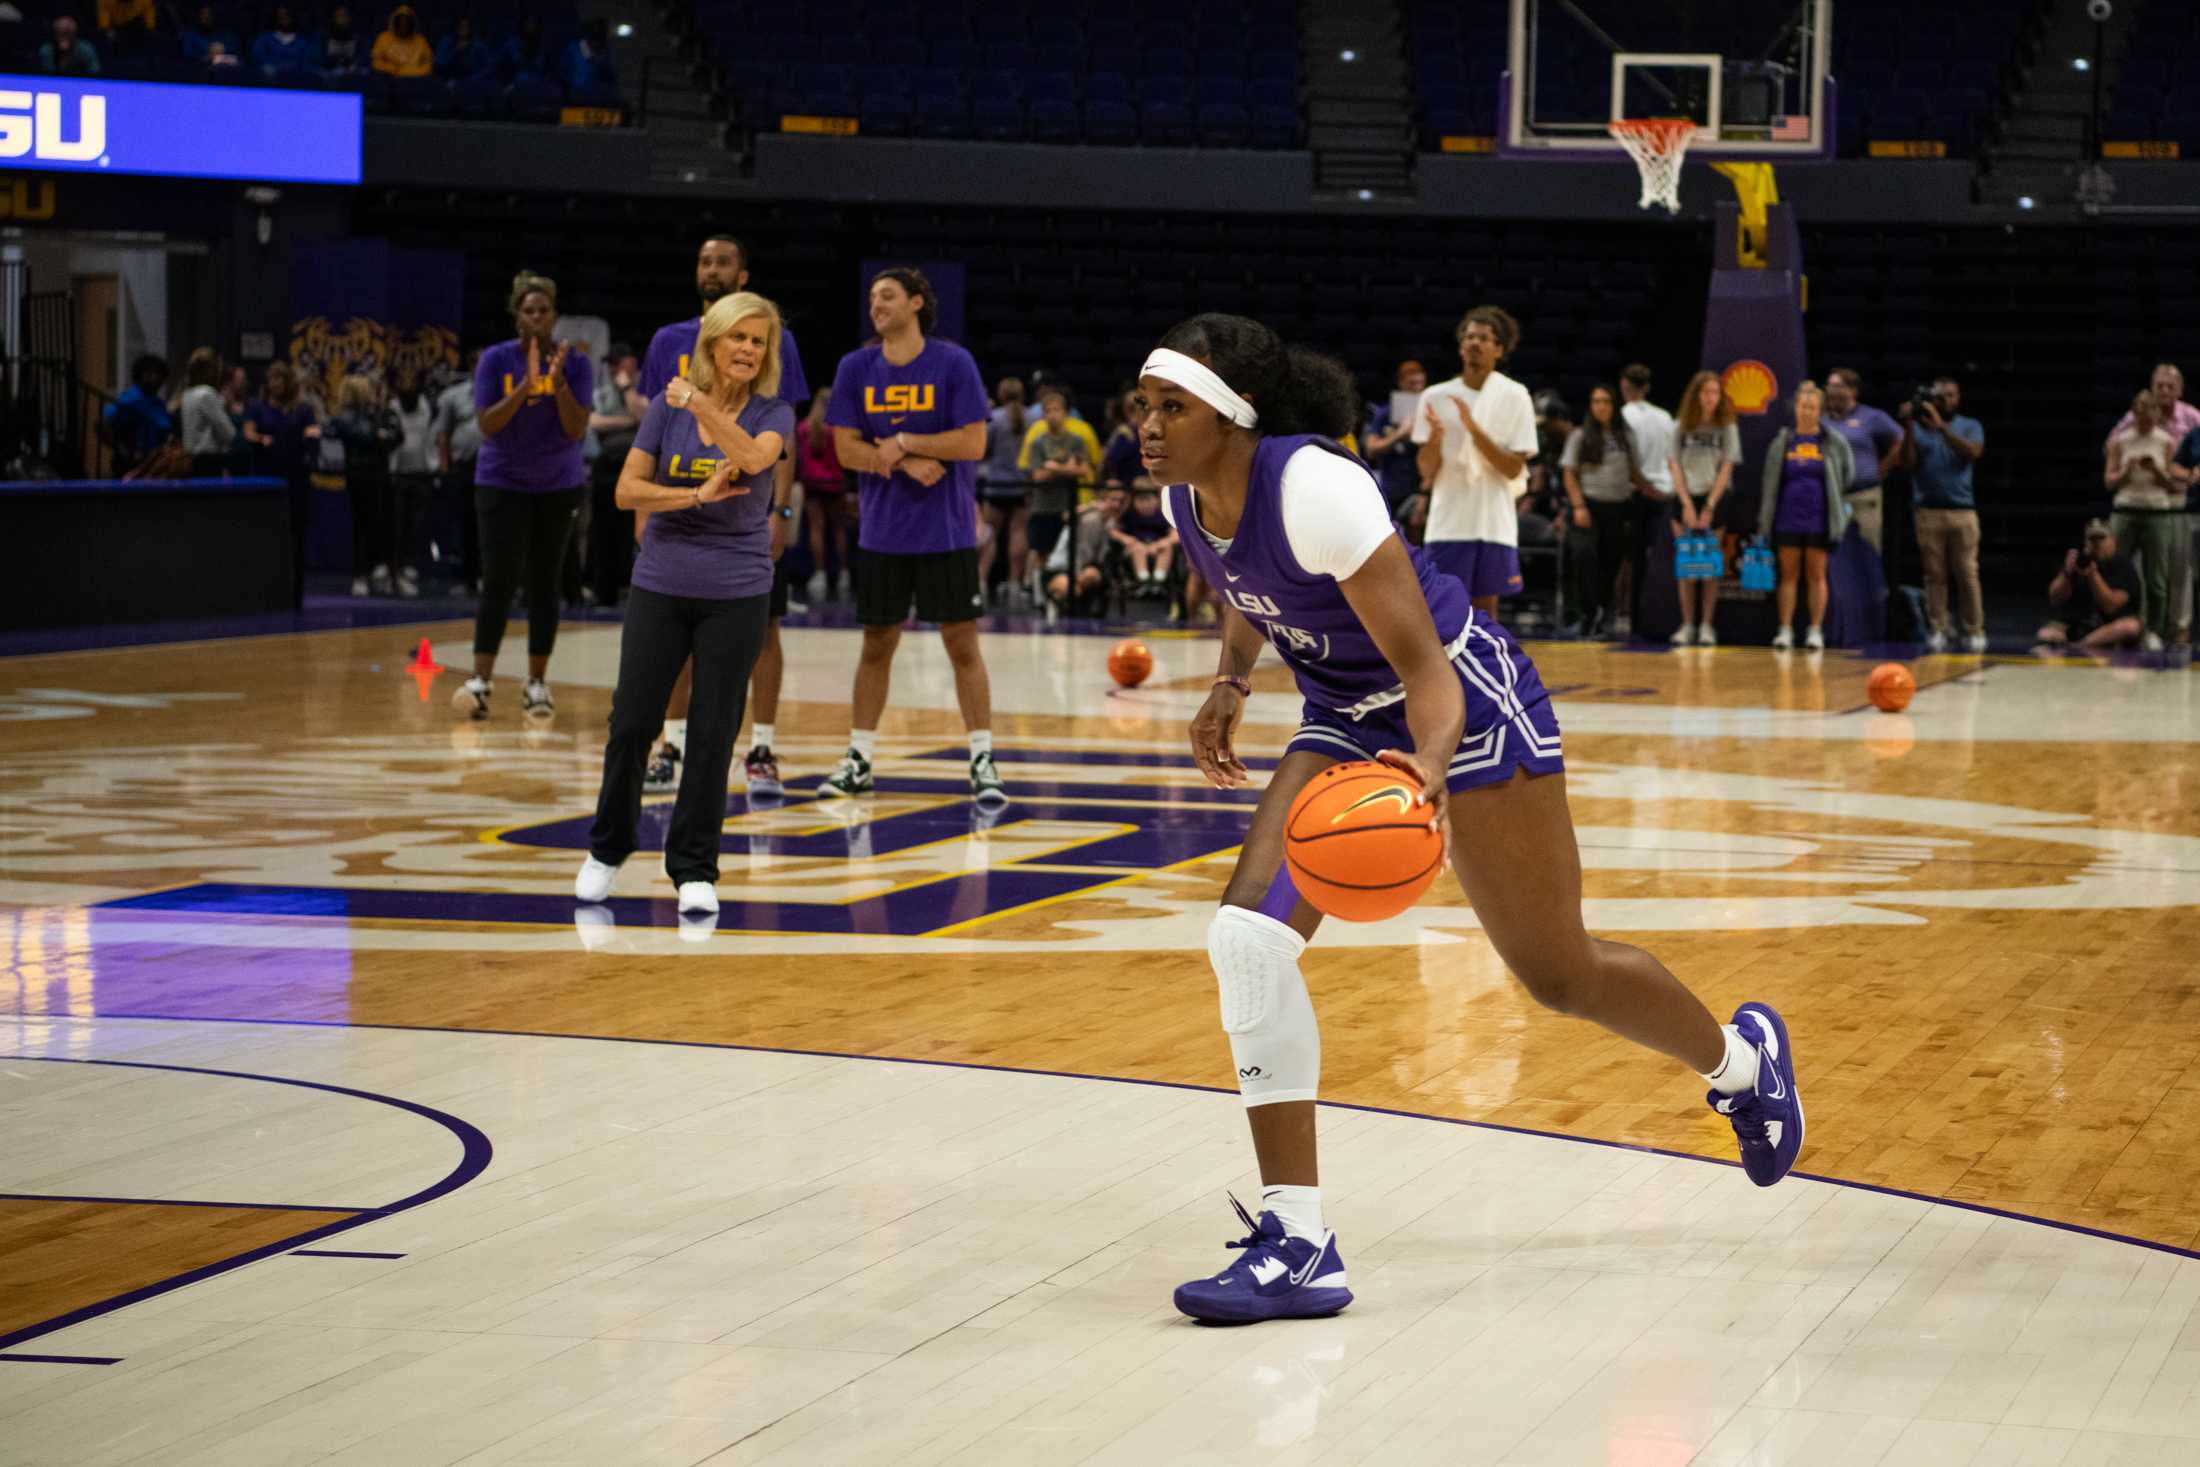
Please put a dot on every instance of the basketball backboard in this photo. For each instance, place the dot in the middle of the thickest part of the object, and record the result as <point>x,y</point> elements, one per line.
<point>1752,77</point>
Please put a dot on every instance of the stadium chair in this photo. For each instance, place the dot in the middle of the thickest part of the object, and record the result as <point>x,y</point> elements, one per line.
<point>1167,61</point>
<point>1053,56</point>
<point>1110,123</point>
<point>480,97</point>
<point>955,53</point>
<point>1171,90</point>
<point>1274,127</point>
<point>535,100</point>
<point>1165,125</point>
<point>942,116</point>
<point>997,119</point>
<point>884,114</point>
<point>1008,56</point>
<point>1107,86</point>
<point>1053,118</point>
<point>993,83</point>
<point>1224,125</point>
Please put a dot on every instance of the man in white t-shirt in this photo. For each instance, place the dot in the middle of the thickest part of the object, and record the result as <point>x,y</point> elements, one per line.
<point>1651,427</point>
<point>1477,433</point>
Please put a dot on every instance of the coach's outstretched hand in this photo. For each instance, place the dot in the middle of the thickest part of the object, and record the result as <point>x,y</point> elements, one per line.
<point>721,485</point>
<point>1212,730</point>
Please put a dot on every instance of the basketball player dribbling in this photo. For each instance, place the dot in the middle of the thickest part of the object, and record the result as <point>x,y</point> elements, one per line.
<point>1394,665</point>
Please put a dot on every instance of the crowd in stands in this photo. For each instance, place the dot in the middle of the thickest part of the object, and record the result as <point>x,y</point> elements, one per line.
<point>446,63</point>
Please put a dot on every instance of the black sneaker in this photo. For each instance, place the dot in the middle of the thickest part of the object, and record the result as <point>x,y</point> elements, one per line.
<point>535,700</point>
<point>664,770</point>
<point>985,780</point>
<point>853,777</point>
<point>762,769</point>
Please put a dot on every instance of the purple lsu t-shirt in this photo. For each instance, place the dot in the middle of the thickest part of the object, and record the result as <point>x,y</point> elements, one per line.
<point>1871,433</point>
<point>533,454</point>
<point>1802,487</point>
<point>672,347</point>
<point>937,392</point>
<point>719,551</point>
<point>1328,650</point>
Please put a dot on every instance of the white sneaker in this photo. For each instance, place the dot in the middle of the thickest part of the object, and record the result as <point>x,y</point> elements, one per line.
<point>1685,637</point>
<point>1783,640</point>
<point>1814,640</point>
<point>380,581</point>
<point>1706,637</point>
<point>1936,641</point>
<point>472,697</point>
<point>358,585</point>
<point>593,883</point>
<point>408,582</point>
<point>535,700</point>
<point>594,926</point>
<point>2148,643</point>
<point>698,896</point>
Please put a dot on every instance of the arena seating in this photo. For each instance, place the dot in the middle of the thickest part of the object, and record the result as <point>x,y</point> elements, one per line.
<point>2150,103</point>
<point>505,94</point>
<point>1222,73</point>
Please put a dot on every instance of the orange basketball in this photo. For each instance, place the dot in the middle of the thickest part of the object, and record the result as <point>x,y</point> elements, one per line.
<point>1129,663</point>
<point>1357,845</point>
<point>1890,687</point>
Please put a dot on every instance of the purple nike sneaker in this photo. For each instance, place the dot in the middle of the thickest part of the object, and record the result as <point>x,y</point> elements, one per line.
<point>1276,1277</point>
<point>1768,1121</point>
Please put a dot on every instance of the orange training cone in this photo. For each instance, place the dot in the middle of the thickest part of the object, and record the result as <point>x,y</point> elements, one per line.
<point>424,668</point>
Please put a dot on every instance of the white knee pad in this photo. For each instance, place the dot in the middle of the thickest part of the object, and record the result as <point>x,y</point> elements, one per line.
<point>1265,1009</point>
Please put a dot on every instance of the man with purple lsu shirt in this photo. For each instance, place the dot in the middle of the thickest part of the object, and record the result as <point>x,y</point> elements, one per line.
<point>909,414</point>
<point>722,269</point>
<point>1393,665</point>
<point>1477,433</point>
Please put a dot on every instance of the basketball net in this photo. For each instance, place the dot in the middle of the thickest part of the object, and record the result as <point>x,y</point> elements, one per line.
<point>1658,145</point>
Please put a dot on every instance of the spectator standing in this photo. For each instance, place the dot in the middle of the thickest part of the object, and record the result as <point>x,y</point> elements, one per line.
<point>1651,428</point>
<point>1003,491</point>
<point>1119,458</point>
<point>1707,444</point>
<point>1873,438</point>
<point>1389,438</point>
<point>1603,476</point>
<point>460,56</point>
<point>1476,433</point>
<point>67,54</point>
<point>1940,446</point>
<point>2171,410</point>
<point>2093,602</point>
<point>412,479</point>
<point>701,466</point>
<point>614,418</point>
<point>2149,488</point>
<point>284,427</point>
<point>368,435</point>
<point>909,416</point>
<point>531,398</point>
<point>457,445</point>
<point>1073,423</point>
<point>1147,539</point>
<point>138,421</point>
<point>825,497</point>
<point>587,64</point>
<point>1804,509</point>
<point>401,50</point>
<point>1054,455</point>
<point>281,50</point>
<point>2183,420</point>
<point>341,53</point>
<point>205,425</point>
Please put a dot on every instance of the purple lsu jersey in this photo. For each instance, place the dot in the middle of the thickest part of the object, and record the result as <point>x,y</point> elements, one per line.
<point>1355,707</point>
<point>1305,615</point>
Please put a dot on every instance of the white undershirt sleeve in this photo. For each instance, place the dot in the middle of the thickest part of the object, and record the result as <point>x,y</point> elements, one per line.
<point>1333,515</point>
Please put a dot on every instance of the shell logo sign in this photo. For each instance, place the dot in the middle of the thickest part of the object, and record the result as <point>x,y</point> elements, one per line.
<point>1750,386</point>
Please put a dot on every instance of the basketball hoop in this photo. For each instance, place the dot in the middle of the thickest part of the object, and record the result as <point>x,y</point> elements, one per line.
<point>1657,144</point>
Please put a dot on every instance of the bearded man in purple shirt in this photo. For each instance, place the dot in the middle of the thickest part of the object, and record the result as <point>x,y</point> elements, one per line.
<point>909,415</point>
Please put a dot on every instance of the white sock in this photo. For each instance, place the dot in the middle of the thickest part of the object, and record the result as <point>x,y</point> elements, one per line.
<point>1738,1071</point>
<point>762,736</point>
<point>676,732</point>
<point>1299,1209</point>
<point>981,741</point>
<point>863,741</point>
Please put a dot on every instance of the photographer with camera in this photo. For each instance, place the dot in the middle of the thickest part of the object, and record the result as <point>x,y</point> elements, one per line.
<point>2094,599</point>
<point>1939,447</point>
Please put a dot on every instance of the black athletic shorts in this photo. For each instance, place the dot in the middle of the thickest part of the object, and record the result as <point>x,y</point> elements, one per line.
<point>782,581</point>
<point>942,585</point>
<point>1795,540</point>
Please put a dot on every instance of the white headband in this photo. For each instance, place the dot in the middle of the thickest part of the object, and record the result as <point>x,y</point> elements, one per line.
<point>1200,381</point>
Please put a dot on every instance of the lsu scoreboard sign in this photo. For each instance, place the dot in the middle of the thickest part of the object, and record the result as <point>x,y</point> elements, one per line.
<point>259,134</point>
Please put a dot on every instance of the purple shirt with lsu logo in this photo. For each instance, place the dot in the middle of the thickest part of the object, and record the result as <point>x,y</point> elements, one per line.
<point>719,551</point>
<point>1336,662</point>
<point>936,392</point>
<point>673,346</point>
<point>533,454</point>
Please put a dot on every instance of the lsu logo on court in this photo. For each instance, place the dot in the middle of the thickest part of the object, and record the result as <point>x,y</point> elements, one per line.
<point>899,397</point>
<point>31,126</point>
